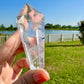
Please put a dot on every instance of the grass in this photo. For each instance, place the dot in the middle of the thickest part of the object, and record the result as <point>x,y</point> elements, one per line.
<point>64,62</point>
<point>3,34</point>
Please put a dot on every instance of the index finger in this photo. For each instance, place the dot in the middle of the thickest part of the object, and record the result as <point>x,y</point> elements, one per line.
<point>10,47</point>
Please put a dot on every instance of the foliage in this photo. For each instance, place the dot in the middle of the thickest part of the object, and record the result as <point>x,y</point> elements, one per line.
<point>48,26</point>
<point>59,27</point>
<point>11,28</point>
<point>64,62</point>
<point>81,29</point>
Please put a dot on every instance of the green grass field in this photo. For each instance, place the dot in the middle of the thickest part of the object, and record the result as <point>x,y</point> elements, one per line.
<point>64,62</point>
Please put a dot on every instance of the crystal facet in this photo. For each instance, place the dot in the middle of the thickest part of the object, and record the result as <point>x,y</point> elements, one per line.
<point>31,27</point>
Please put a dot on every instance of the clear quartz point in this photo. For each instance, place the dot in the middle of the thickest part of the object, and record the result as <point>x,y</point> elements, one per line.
<point>31,27</point>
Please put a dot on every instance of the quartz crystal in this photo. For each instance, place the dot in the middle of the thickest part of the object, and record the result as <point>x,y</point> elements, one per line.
<point>31,27</point>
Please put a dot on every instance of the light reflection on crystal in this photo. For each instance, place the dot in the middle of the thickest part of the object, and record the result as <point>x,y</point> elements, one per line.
<point>31,26</point>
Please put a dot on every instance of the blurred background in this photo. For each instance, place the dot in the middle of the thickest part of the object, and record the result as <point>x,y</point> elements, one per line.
<point>64,36</point>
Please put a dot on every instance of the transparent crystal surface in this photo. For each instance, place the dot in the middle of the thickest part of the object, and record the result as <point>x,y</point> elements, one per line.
<point>31,27</point>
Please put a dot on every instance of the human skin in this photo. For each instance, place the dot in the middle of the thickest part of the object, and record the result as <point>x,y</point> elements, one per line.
<point>10,74</point>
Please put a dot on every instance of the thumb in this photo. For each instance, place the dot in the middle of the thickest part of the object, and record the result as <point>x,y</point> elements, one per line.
<point>33,77</point>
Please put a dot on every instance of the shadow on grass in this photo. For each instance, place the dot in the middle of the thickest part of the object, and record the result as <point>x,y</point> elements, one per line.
<point>63,45</point>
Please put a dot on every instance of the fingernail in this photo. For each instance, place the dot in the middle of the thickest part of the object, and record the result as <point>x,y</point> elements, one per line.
<point>41,76</point>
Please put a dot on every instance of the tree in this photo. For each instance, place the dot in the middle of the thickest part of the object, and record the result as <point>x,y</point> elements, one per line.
<point>57,26</point>
<point>11,27</point>
<point>49,26</point>
<point>64,27</point>
<point>81,29</point>
<point>69,26</point>
<point>2,27</point>
<point>15,28</point>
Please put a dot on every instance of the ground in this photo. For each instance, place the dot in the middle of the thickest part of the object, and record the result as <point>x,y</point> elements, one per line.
<point>64,62</point>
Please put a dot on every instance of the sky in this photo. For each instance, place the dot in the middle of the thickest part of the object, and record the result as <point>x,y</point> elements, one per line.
<point>63,12</point>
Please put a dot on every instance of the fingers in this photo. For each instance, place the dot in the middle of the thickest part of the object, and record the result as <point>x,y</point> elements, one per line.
<point>17,67</point>
<point>6,73</point>
<point>41,76</point>
<point>19,50</point>
<point>10,61</point>
<point>33,77</point>
<point>10,47</point>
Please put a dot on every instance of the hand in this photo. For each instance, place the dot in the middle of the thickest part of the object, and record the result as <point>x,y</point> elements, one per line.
<point>10,74</point>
